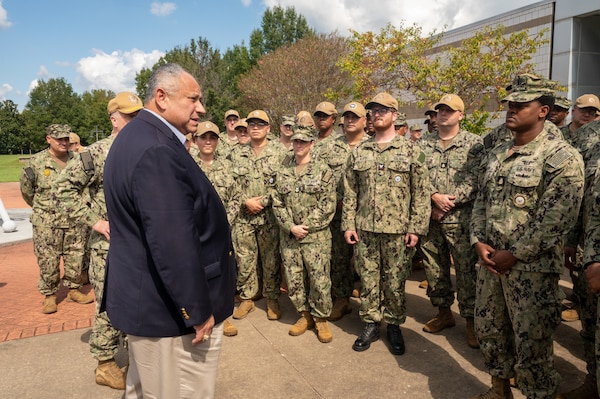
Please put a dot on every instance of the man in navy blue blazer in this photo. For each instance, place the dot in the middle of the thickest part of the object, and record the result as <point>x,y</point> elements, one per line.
<point>170,272</point>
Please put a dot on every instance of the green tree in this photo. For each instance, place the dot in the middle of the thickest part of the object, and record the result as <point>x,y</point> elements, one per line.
<point>95,115</point>
<point>52,101</point>
<point>279,26</point>
<point>408,64</point>
<point>11,128</point>
<point>297,76</point>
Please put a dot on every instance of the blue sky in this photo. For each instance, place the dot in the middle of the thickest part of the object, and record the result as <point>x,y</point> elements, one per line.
<point>101,44</point>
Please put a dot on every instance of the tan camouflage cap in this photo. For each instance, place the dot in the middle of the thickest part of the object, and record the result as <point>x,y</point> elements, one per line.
<point>74,138</point>
<point>356,108</point>
<point>431,110</point>
<point>304,118</point>
<point>415,127</point>
<point>125,102</point>
<point>205,127</point>
<point>259,114</point>
<point>230,112</point>
<point>304,133</point>
<point>563,102</point>
<point>288,120</point>
<point>384,99</point>
<point>528,87</point>
<point>451,100</point>
<point>58,131</point>
<point>588,101</point>
<point>241,123</point>
<point>400,119</point>
<point>325,107</point>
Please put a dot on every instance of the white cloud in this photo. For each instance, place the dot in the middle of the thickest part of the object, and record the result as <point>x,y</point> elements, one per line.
<point>162,9</point>
<point>4,22</point>
<point>43,72</point>
<point>115,71</point>
<point>32,85</point>
<point>246,3</point>
<point>5,88</point>
<point>363,16</point>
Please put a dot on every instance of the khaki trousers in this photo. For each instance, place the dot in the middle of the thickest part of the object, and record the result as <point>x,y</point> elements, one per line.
<point>171,367</point>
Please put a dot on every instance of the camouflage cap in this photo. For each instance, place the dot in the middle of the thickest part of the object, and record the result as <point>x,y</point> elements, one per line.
<point>588,101</point>
<point>125,102</point>
<point>451,100</point>
<point>356,108</point>
<point>528,87</point>
<point>384,99</point>
<point>303,133</point>
<point>304,118</point>
<point>230,112</point>
<point>416,127</point>
<point>205,127</point>
<point>325,107</point>
<point>400,119</point>
<point>341,121</point>
<point>259,114</point>
<point>241,123</point>
<point>74,138</point>
<point>431,110</point>
<point>58,131</point>
<point>563,102</point>
<point>288,120</point>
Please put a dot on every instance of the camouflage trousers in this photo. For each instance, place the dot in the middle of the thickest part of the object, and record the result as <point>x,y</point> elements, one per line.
<point>252,243</point>
<point>307,270</point>
<point>515,316</point>
<point>104,340</point>
<point>342,272</point>
<point>52,243</point>
<point>383,263</point>
<point>596,372</point>
<point>448,243</point>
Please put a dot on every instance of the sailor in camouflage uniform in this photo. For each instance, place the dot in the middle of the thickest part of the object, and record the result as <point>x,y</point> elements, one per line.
<point>453,157</point>
<point>255,233</point>
<point>303,204</point>
<point>85,172</point>
<point>386,207</point>
<point>54,236</point>
<point>528,199</point>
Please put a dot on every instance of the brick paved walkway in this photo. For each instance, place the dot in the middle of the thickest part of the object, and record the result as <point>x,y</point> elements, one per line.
<point>20,302</point>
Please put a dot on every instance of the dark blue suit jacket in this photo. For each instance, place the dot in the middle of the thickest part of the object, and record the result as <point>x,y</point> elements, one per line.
<point>171,263</point>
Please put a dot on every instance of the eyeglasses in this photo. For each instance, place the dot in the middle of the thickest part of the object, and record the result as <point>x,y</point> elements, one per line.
<point>587,110</point>
<point>380,111</point>
<point>257,124</point>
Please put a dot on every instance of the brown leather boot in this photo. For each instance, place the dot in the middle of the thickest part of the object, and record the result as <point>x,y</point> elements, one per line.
<point>49,305</point>
<point>109,374</point>
<point>77,296</point>
<point>471,336</point>
<point>243,309</point>
<point>500,390</point>
<point>305,322</point>
<point>341,307</point>
<point>323,332</point>
<point>443,319</point>
<point>586,390</point>
<point>273,309</point>
<point>229,330</point>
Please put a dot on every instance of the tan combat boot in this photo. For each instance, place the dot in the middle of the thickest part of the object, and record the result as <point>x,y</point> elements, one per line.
<point>49,304</point>
<point>273,309</point>
<point>305,322</point>
<point>586,390</point>
<point>500,390</point>
<point>323,332</point>
<point>243,309</point>
<point>77,296</point>
<point>109,374</point>
<point>471,336</point>
<point>229,330</point>
<point>341,307</point>
<point>569,315</point>
<point>443,319</point>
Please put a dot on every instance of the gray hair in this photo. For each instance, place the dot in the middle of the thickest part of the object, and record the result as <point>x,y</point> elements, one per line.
<point>165,77</point>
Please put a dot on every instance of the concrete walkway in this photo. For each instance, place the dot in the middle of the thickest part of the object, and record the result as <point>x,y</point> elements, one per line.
<point>47,356</point>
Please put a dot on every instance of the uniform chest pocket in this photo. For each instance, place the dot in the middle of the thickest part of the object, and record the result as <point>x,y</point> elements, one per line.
<point>399,172</point>
<point>457,161</point>
<point>240,171</point>
<point>362,165</point>
<point>311,187</point>
<point>284,189</point>
<point>524,189</point>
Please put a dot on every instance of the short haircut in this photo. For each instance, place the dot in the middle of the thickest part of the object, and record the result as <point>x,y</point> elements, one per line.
<point>166,77</point>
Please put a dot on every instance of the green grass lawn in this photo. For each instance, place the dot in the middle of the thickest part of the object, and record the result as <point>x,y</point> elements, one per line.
<point>10,167</point>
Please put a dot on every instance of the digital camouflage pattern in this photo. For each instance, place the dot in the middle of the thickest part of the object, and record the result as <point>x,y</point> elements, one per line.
<point>81,177</point>
<point>219,174</point>
<point>257,236</point>
<point>53,235</point>
<point>453,171</point>
<point>500,134</point>
<point>306,198</point>
<point>526,204</point>
<point>385,196</point>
